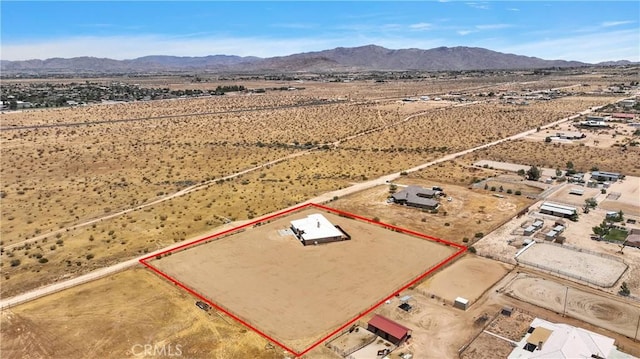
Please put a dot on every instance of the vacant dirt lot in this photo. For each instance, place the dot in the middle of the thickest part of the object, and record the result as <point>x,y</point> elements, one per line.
<point>290,291</point>
<point>469,277</point>
<point>114,316</point>
<point>564,197</point>
<point>629,200</point>
<point>600,310</point>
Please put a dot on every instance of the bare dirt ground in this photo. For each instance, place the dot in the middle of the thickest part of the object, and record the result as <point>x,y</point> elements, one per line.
<point>597,309</point>
<point>291,291</point>
<point>584,266</point>
<point>468,213</point>
<point>629,200</point>
<point>469,277</point>
<point>487,346</point>
<point>115,316</point>
<point>563,196</point>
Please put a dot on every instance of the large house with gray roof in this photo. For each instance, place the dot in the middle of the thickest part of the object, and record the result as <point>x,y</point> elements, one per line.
<point>416,196</point>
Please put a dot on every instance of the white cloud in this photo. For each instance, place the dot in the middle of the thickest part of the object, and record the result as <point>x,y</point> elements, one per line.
<point>479,5</point>
<point>513,9</point>
<point>421,26</point>
<point>615,23</point>
<point>493,26</point>
<point>465,32</point>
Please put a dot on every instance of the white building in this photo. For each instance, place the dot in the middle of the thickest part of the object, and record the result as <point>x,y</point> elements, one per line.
<point>550,340</point>
<point>316,229</point>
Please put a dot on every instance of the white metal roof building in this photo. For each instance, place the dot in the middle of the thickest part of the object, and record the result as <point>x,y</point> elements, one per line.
<point>557,341</point>
<point>557,209</point>
<point>316,228</point>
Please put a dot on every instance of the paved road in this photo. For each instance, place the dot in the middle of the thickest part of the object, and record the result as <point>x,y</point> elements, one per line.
<point>52,288</point>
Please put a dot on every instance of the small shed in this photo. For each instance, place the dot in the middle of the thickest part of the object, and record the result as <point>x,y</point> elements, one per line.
<point>558,229</point>
<point>538,223</point>
<point>507,311</point>
<point>577,191</point>
<point>461,303</point>
<point>405,298</point>
<point>530,230</point>
<point>551,235</point>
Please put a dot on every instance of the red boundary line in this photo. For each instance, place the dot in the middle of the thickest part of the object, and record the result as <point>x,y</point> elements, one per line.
<point>461,249</point>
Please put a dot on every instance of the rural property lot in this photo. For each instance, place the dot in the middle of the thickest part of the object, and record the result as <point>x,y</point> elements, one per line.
<point>468,277</point>
<point>298,294</point>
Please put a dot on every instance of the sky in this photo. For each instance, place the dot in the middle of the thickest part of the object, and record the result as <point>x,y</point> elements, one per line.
<point>589,31</point>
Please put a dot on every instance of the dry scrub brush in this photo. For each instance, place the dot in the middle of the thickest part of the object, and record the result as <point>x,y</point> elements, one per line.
<point>555,155</point>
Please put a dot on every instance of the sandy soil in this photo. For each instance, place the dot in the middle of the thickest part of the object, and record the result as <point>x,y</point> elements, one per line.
<point>487,346</point>
<point>562,196</point>
<point>583,266</point>
<point>297,293</point>
<point>112,317</point>
<point>629,201</point>
<point>469,277</point>
<point>600,310</point>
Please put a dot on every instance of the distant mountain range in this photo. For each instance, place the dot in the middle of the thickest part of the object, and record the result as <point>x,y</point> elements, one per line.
<point>363,58</point>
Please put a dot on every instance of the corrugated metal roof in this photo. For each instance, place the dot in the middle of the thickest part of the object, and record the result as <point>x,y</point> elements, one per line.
<point>557,210</point>
<point>388,326</point>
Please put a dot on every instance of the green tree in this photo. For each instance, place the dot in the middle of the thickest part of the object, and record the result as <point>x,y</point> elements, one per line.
<point>624,290</point>
<point>591,203</point>
<point>533,173</point>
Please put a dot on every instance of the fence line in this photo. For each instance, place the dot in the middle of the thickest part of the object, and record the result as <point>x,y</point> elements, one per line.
<point>568,275</point>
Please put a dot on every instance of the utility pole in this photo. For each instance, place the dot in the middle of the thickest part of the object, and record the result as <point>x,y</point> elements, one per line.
<point>637,326</point>
<point>564,311</point>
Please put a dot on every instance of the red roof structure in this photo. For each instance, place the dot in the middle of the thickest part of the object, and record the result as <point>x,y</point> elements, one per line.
<point>623,115</point>
<point>389,326</point>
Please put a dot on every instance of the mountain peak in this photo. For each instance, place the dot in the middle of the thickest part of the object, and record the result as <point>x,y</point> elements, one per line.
<point>366,57</point>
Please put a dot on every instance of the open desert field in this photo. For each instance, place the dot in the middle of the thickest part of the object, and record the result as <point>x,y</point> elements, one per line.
<point>289,291</point>
<point>556,155</point>
<point>115,317</point>
<point>469,212</point>
<point>100,191</point>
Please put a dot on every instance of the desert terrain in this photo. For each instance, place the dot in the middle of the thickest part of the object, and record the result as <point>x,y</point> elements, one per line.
<point>85,188</point>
